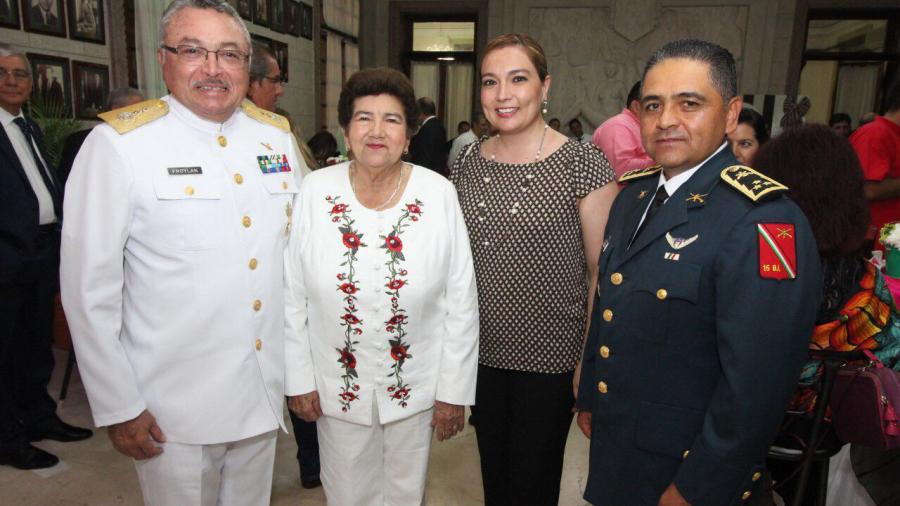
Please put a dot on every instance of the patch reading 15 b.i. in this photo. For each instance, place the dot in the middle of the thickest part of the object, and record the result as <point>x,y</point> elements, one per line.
<point>777,251</point>
<point>184,171</point>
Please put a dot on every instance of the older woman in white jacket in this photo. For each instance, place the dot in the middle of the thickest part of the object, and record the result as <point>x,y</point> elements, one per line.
<point>382,315</point>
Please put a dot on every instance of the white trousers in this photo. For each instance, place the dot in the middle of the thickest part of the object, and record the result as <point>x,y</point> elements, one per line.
<point>237,473</point>
<point>381,465</point>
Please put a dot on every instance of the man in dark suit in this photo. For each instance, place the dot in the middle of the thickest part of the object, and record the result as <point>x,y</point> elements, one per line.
<point>42,14</point>
<point>709,287</point>
<point>30,218</point>
<point>428,147</point>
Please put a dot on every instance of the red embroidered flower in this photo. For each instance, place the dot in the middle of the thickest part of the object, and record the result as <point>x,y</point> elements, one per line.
<point>393,243</point>
<point>348,396</point>
<point>349,318</point>
<point>348,359</point>
<point>351,240</point>
<point>338,208</point>
<point>403,272</point>
<point>398,352</point>
<point>414,208</point>
<point>397,319</point>
<point>341,275</point>
<point>348,288</point>
<point>396,284</point>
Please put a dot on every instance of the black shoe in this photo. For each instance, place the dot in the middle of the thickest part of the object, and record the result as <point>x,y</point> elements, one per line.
<point>27,457</point>
<point>313,483</point>
<point>57,430</point>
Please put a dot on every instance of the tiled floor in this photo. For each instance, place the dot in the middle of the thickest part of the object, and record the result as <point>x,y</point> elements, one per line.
<point>92,473</point>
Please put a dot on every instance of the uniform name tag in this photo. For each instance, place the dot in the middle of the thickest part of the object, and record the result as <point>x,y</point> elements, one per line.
<point>184,171</point>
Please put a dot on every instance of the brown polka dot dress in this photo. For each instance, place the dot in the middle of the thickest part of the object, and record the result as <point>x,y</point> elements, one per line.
<point>526,239</point>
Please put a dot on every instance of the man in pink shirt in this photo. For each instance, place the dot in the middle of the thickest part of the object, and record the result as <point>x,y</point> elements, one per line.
<point>619,137</point>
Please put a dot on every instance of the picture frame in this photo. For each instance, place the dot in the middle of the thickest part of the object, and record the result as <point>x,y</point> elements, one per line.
<point>87,21</point>
<point>244,8</point>
<point>261,12</point>
<point>276,15</point>
<point>306,21</point>
<point>292,17</point>
<point>280,49</point>
<point>9,14</point>
<point>51,81</point>
<point>39,20</point>
<point>91,88</point>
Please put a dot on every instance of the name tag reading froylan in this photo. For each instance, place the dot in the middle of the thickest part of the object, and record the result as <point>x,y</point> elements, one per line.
<point>184,171</point>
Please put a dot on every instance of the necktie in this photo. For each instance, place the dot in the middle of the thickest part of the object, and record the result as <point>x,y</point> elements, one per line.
<point>658,200</point>
<point>45,173</point>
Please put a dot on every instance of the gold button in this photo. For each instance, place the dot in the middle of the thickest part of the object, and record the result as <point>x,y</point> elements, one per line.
<point>602,387</point>
<point>253,264</point>
<point>607,315</point>
<point>257,305</point>
<point>246,221</point>
<point>745,495</point>
<point>661,294</point>
<point>756,476</point>
<point>685,454</point>
<point>616,278</point>
<point>223,141</point>
<point>258,344</point>
<point>284,185</point>
<point>604,351</point>
<point>239,179</point>
<point>188,190</point>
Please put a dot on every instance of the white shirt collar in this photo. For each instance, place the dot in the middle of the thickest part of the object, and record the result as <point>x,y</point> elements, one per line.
<point>196,121</point>
<point>6,118</point>
<point>673,184</point>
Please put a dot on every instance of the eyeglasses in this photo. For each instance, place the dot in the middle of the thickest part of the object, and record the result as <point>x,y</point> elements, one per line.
<point>18,75</point>
<point>278,79</point>
<point>197,55</point>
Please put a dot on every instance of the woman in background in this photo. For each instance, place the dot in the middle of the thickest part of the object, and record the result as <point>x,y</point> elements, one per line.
<point>750,134</point>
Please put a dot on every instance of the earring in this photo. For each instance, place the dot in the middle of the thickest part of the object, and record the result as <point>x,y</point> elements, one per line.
<point>546,103</point>
<point>406,151</point>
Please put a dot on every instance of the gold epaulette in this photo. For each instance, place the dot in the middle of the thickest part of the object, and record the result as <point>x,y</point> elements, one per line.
<point>126,119</point>
<point>752,184</point>
<point>639,173</point>
<point>263,116</point>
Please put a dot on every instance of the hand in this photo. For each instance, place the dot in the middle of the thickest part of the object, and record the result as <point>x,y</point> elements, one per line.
<point>306,406</point>
<point>135,438</point>
<point>672,497</point>
<point>584,422</point>
<point>448,419</point>
<point>576,379</point>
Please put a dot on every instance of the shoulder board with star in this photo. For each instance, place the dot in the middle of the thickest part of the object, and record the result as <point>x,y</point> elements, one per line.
<point>752,184</point>
<point>263,116</point>
<point>639,173</point>
<point>126,119</point>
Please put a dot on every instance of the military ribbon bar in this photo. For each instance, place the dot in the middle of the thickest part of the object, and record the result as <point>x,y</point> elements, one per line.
<point>777,251</point>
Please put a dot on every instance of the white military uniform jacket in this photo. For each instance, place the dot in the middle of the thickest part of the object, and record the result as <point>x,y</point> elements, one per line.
<point>381,305</point>
<point>172,268</point>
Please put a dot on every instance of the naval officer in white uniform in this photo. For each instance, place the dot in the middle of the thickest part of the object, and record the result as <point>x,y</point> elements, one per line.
<point>172,276</point>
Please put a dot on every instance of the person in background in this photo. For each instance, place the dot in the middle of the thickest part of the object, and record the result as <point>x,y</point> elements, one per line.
<point>619,137</point>
<point>428,147</point>
<point>576,131</point>
<point>877,145</point>
<point>463,127</point>
<point>324,148</point>
<point>480,128</point>
<point>866,118</point>
<point>751,133</point>
<point>382,314</point>
<point>554,124</point>
<point>118,97</point>
<point>536,204</point>
<point>841,124</point>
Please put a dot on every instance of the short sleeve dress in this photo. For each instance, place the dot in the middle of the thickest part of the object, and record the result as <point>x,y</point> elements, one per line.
<point>525,232</point>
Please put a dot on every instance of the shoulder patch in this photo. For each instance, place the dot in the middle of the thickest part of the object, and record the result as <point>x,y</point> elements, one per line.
<point>263,116</point>
<point>126,119</point>
<point>639,173</point>
<point>755,186</point>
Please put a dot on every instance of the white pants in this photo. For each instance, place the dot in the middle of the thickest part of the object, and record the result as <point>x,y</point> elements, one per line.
<point>385,464</point>
<point>237,473</point>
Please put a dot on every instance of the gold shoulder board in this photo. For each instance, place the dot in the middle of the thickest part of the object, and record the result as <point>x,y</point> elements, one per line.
<point>755,186</point>
<point>263,116</point>
<point>639,173</point>
<point>128,118</point>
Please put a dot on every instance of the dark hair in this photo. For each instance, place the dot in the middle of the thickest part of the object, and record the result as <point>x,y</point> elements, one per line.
<point>259,61</point>
<point>755,120</point>
<point>722,72</point>
<point>840,117</point>
<point>892,99</point>
<point>426,106</point>
<point>825,180</point>
<point>531,47</point>
<point>574,121</point>
<point>633,94</point>
<point>323,143</point>
<point>378,81</point>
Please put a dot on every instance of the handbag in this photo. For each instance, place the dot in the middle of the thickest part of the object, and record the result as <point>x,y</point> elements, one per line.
<point>864,402</point>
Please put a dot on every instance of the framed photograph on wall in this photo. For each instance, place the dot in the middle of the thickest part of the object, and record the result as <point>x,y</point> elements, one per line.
<point>306,21</point>
<point>9,14</point>
<point>276,15</point>
<point>86,21</point>
<point>261,12</point>
<point>44,16</point>
<point>280,49</point>
<point>91,86</point>
<point>292,17</point>
<point>51,85</point>
<point>244,8</point>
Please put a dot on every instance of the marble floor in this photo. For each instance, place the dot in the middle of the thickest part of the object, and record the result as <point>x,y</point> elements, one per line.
<point>92,473</point>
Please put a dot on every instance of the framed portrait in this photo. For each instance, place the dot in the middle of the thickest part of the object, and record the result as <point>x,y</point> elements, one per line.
<point>261,12</point>
<point>280,49</point>
<point>9,14</point>
<point>306,21</point>
<point>276,15</point>
<point>91,86</point>
<point>292,17</point>
<point>244,8</point>
<point>44,16</point>
<point>86,21</point>
<point>51,87</point>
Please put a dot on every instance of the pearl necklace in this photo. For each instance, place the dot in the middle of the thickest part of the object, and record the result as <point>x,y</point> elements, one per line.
<point>528,175</point>
<point>389,199</point>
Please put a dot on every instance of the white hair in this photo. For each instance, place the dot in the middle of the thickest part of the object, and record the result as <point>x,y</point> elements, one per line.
<point>221,6</point>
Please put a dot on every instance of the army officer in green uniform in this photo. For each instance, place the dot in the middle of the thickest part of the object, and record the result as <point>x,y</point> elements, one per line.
<point>707,295</point>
